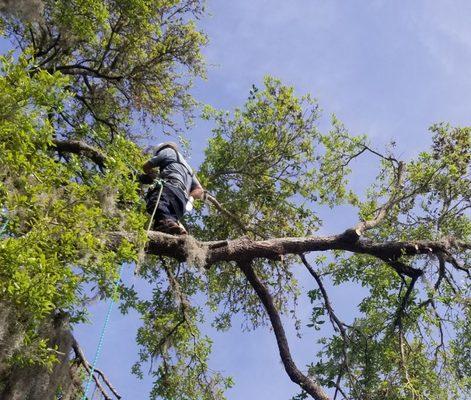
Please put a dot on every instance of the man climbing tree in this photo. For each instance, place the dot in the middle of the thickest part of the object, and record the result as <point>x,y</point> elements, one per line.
<point>71,217</point>
<point>174,192</point>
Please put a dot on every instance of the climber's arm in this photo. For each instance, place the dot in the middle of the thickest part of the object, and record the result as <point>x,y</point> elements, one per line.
<point>196,190</point>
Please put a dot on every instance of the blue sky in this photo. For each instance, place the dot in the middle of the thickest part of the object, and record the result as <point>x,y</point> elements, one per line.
<point>388,69</point>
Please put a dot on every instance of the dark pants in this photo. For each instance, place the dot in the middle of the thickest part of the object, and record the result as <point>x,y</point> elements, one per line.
<point>171,205</point>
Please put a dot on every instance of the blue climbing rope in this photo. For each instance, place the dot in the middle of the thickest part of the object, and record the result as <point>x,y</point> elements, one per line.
<point>102,337</point>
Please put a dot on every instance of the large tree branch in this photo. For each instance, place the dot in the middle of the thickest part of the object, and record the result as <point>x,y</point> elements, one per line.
<point>305,382</point>
<point>243,249</point>
<point>80,148</point>
<point>92,153</point>
<point>273,249</point>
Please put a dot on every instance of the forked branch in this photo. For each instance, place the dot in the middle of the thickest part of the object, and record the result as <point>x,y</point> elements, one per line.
<point>86,365</point>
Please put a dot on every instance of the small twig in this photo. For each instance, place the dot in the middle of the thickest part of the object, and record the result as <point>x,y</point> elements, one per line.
<point>338,389</point>
<point>453,261</point>
<point>337,324</point>
<point>209,199</point>
<point>361,227</point>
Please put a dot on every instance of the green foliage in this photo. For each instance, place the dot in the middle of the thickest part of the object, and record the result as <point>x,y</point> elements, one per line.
<point>170,335</point>
<point>258,163</point>
<point>126,58</point>
<point>87,69</point>
<point>401,357</point>
<point>58,212</point>
<point>267,163</point>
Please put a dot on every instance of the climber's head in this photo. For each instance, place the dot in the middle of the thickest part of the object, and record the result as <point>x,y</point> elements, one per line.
<point>164,145</point>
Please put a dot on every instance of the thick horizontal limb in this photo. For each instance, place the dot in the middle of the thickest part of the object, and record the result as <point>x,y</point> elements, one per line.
<point>241,250</point>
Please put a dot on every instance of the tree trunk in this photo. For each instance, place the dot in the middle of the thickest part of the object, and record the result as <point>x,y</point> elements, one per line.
<point>37,382</point>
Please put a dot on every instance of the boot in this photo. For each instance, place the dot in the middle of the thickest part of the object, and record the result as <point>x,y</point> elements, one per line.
<point>170,226</point>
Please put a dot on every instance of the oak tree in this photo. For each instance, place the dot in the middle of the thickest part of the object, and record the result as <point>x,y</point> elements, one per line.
<point>72,215</point>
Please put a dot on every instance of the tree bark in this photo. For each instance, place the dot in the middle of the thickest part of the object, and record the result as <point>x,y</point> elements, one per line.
<point>241,250</point>
<point>37,382</point>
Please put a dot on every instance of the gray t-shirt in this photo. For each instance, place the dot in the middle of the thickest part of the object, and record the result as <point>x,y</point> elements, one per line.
<point>175,170</point>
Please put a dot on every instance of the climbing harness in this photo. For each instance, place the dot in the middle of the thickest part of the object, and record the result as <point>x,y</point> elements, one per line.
<point>158,182</point>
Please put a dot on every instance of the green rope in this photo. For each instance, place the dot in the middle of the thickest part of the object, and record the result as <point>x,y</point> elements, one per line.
<point>160,183</point>
<point>110,307</point>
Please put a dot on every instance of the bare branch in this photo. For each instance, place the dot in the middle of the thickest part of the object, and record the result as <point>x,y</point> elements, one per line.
<point>338,389</point>
<point>81,356</point>
<point>337,323</point>
<point>246,229</point>
<point>453,261</point>
<point>377,153</point>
